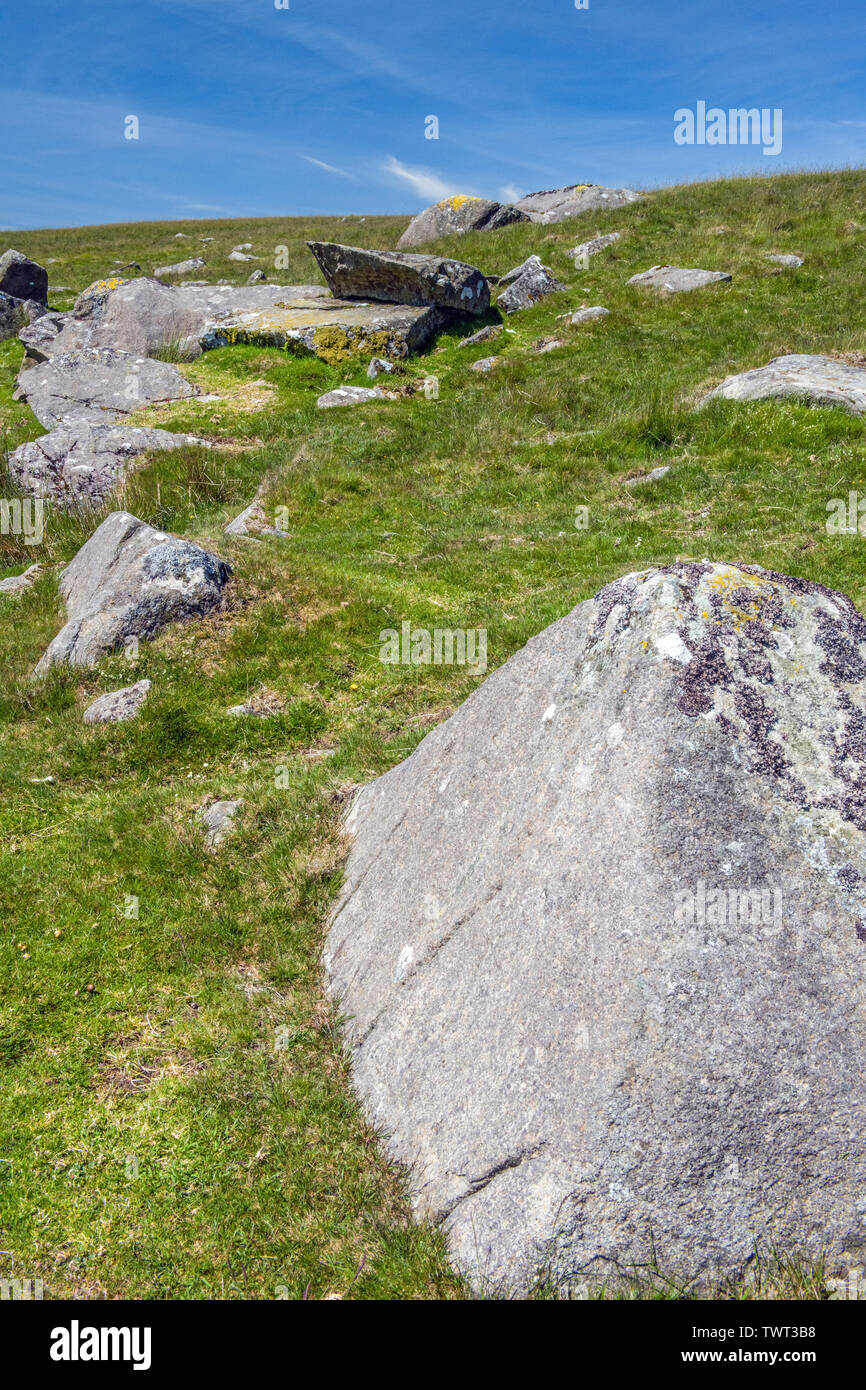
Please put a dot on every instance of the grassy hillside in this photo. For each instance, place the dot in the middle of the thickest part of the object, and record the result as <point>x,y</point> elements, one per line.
<point>174,1098</point>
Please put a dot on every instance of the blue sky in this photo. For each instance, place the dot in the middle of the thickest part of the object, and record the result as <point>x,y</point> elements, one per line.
<point>248,110</point>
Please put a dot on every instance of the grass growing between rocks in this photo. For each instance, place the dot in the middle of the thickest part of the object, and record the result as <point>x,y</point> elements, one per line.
<point>185,1127</point>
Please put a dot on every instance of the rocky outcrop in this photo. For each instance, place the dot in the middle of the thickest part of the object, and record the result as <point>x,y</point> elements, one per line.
<point>527,284</point>
<point>98,385</point>
<point>557,204</point>
<point>79,465</point>
<point>23,278</point>
<point>673,279</point>
<point>601,945</point>
<point>394,278</point>
<point>130,581</point>
<point>459,214</point>
<point>16,314</point>
<point>118,705</point>
<point>799,376</point>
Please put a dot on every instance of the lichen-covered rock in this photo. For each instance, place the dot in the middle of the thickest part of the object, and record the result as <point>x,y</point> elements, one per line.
<point>16,314</point>
<point>526,285</point>
<point>351,272</point>
<point>98,385</point>
<point>334,329</point>
<point>673,279</point>
<point>129,581</point>
<point>79,465</point>
<point>601,947</point>
<point>460,213</point>
<point>557,204</point>
<point>118,705</point>
<point>22,278</point>
<point>808,377</point>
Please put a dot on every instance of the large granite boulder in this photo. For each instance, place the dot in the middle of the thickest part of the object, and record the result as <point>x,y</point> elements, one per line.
<point>98,385</point>
<point>556,204</point>
<point>674,279</point>
<point>459,214</point>
<point>601,946</point>
<point>23,278</point>
<point>801,376</point>
<point>354,273</point>
<point>79,465</point>
<point>129,581</point>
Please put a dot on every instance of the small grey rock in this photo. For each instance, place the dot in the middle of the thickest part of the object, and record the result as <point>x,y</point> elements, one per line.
<point>379,366</point>
<point>587,315</point>
<point>349,395</point>
<point>485,364</point>
<point>257,277</point>
<point>180,267</point>
<point>218,821</point>
<point>821,381</point>
<point>673,279</point>
<point>592,247</point>
<point>241,256</point>
<point>118,705</point>
<point>534,283</point>
<point>17,583</point>
<point>490,330</point>
<point>785,258</point>
<point>652,477</point>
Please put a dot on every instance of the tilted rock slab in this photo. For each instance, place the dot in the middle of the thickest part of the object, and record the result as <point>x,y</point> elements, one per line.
<point>458,214</point>
<point>118,705</point>
<point>401,278</point>
<point>674,279</point>
<point>586,249</point>
<point>16,314</point>
<point>802,376</point>
<point>556,204</point>
<point>98,385</point>
<point>79,465</point>
<point>526,288</point>
<point>333,329</point>
<point>129,580</point>
<point>586,1057</point>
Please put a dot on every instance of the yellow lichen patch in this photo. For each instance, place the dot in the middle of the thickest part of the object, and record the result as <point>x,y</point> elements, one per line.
<point>737,580</point>
<point>458,200</point>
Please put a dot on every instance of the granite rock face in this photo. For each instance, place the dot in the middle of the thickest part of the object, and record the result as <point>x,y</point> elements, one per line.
<point>334,329</point>
<point>458,214</point>
<point>557,204</point>
<point>17,314</point>
<point>354,273</point>
<point>601,946</point>
<point>79,465</point>
<point>97,386</point>
<point>23,278</point>
<point>802,376</point>
<point>673,279</point>
<point>129,581</point>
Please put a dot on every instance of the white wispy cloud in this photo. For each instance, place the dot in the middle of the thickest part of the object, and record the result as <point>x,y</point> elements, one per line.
<point>329,168</point>
<point>421,181</point>
<point>509,193</point>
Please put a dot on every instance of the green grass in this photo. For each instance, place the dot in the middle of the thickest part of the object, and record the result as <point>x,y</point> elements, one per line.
<point>186,1128</point>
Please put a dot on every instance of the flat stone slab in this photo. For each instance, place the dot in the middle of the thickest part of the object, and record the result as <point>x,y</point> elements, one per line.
<point>119,705</point>
<point>333,329</point>
<point>98,385</point>
<point>18,583</point>
<point>673,279</point>
<point>600,949</point>
<point>129,581</point>
<point>557,204</point>
<point>458,214</point>
<point>144,315</point>
<point>586,249</point>
<point>392,277</point>
<point>785,258</point>
<point>596,311</point>
<point>821,381</point>
<point>187,267</point>
<point>350,395</point>
<point>490,330</point>
<point>80,464</point>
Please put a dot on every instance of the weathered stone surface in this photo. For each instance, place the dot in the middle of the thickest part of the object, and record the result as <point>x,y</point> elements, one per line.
<point>334,329</point>
<point>18,583</point>
<point>491,330</point>
<point>401,278</point>
<point>455,215</point>
<point>556,204</point>
<point>547,344</point>
<point>218,821</point>
<point>485,365</point>
<point>130,581</point>
<point>183,267</point>
<point>252,521</point>
<point>16,314</point>
<point>586,1053</point>
<point>22,278</point>
<point>586,249</point>
<point>526,285</point>
<point>98,385</point>
<point>673,279</point>
<point>79,465</point>
<point>532,263</point>
<point>40,336</point>
<point>596,311</point>
<point>257,277</point>
<point>804,376</point>
<point>118,705</point>
<point>654,476</point>
<point>349,395</point>
<point>144,315</point>
<point>785,258</point>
